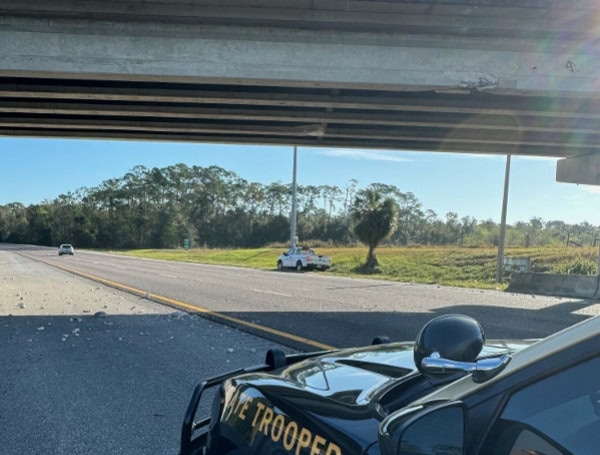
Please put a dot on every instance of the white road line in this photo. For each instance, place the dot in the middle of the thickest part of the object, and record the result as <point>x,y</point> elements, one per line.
<point>168,275</point>
<point>261,291</point>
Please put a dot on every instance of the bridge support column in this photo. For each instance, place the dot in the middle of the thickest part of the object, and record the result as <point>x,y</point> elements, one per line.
<point>579,169</point>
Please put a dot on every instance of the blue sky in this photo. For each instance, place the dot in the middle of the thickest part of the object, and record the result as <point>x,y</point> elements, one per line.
<point>32,170</point>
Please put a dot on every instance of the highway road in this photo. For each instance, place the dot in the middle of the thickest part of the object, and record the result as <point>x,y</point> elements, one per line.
<point>320,310</point>
<point>88,368</point>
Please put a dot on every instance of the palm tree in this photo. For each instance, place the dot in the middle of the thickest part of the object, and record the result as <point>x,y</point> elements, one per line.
<point>375,219</point>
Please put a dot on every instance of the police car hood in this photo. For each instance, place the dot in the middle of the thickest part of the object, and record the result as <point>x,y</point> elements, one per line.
<point>353,377</point>
<point>337,399</point>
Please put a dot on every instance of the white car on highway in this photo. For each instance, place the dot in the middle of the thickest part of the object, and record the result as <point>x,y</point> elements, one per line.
<point>66,248</point>
<point>303,258</point>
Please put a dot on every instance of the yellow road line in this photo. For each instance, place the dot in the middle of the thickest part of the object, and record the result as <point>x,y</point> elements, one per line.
<point>187,306</point>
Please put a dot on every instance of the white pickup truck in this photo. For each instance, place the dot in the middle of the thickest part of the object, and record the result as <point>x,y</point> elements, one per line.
<point>303,258</point>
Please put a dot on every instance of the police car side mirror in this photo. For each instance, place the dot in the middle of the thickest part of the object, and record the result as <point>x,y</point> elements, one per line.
<point>451,343</point>
<point>453,336</point>
<point>424,431</point>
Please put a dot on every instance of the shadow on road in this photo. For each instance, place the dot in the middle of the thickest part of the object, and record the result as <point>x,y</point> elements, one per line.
<point>112,384</point>
<point>346,329</point>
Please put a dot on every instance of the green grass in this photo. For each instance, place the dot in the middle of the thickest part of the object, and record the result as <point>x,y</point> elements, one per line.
<point>449,266</point>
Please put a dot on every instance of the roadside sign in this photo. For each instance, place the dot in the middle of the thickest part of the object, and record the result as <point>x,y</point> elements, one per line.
<point>186,244</point>
<point>522,265</point>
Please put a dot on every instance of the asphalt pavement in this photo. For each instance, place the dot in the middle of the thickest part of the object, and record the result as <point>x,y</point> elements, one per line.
<point>90,369</point>
<point>87,369</point>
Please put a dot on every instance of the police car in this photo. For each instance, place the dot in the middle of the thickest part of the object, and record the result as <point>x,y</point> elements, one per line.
<point>448,393</point>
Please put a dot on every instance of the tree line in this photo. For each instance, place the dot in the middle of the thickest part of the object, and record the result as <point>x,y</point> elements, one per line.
<point>214,207</point>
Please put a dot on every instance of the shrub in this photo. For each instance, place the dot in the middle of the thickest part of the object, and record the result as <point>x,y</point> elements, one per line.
<point>577,266</point>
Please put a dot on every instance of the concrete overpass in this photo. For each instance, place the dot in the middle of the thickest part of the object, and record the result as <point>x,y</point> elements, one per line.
<point>485,76</point>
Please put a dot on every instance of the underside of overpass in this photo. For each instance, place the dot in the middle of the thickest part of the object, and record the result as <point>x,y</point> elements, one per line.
<point>516,77</point>
<point>466,122</point>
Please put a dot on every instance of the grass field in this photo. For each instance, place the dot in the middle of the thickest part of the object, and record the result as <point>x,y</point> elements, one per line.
<point>450,266</point>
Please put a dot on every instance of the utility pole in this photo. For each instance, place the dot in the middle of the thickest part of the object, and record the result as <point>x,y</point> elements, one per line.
<point>597,259</point>
<point>294,190</point>
<point>500,262</point>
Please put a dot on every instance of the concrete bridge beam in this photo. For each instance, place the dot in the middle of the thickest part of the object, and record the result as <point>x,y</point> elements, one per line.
<point>246,55</point>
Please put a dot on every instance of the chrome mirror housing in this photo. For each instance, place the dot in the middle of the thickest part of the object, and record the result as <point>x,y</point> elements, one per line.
<point>481,370</point>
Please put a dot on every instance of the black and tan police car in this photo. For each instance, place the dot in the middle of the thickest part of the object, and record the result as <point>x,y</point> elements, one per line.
<point>448,393</point>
